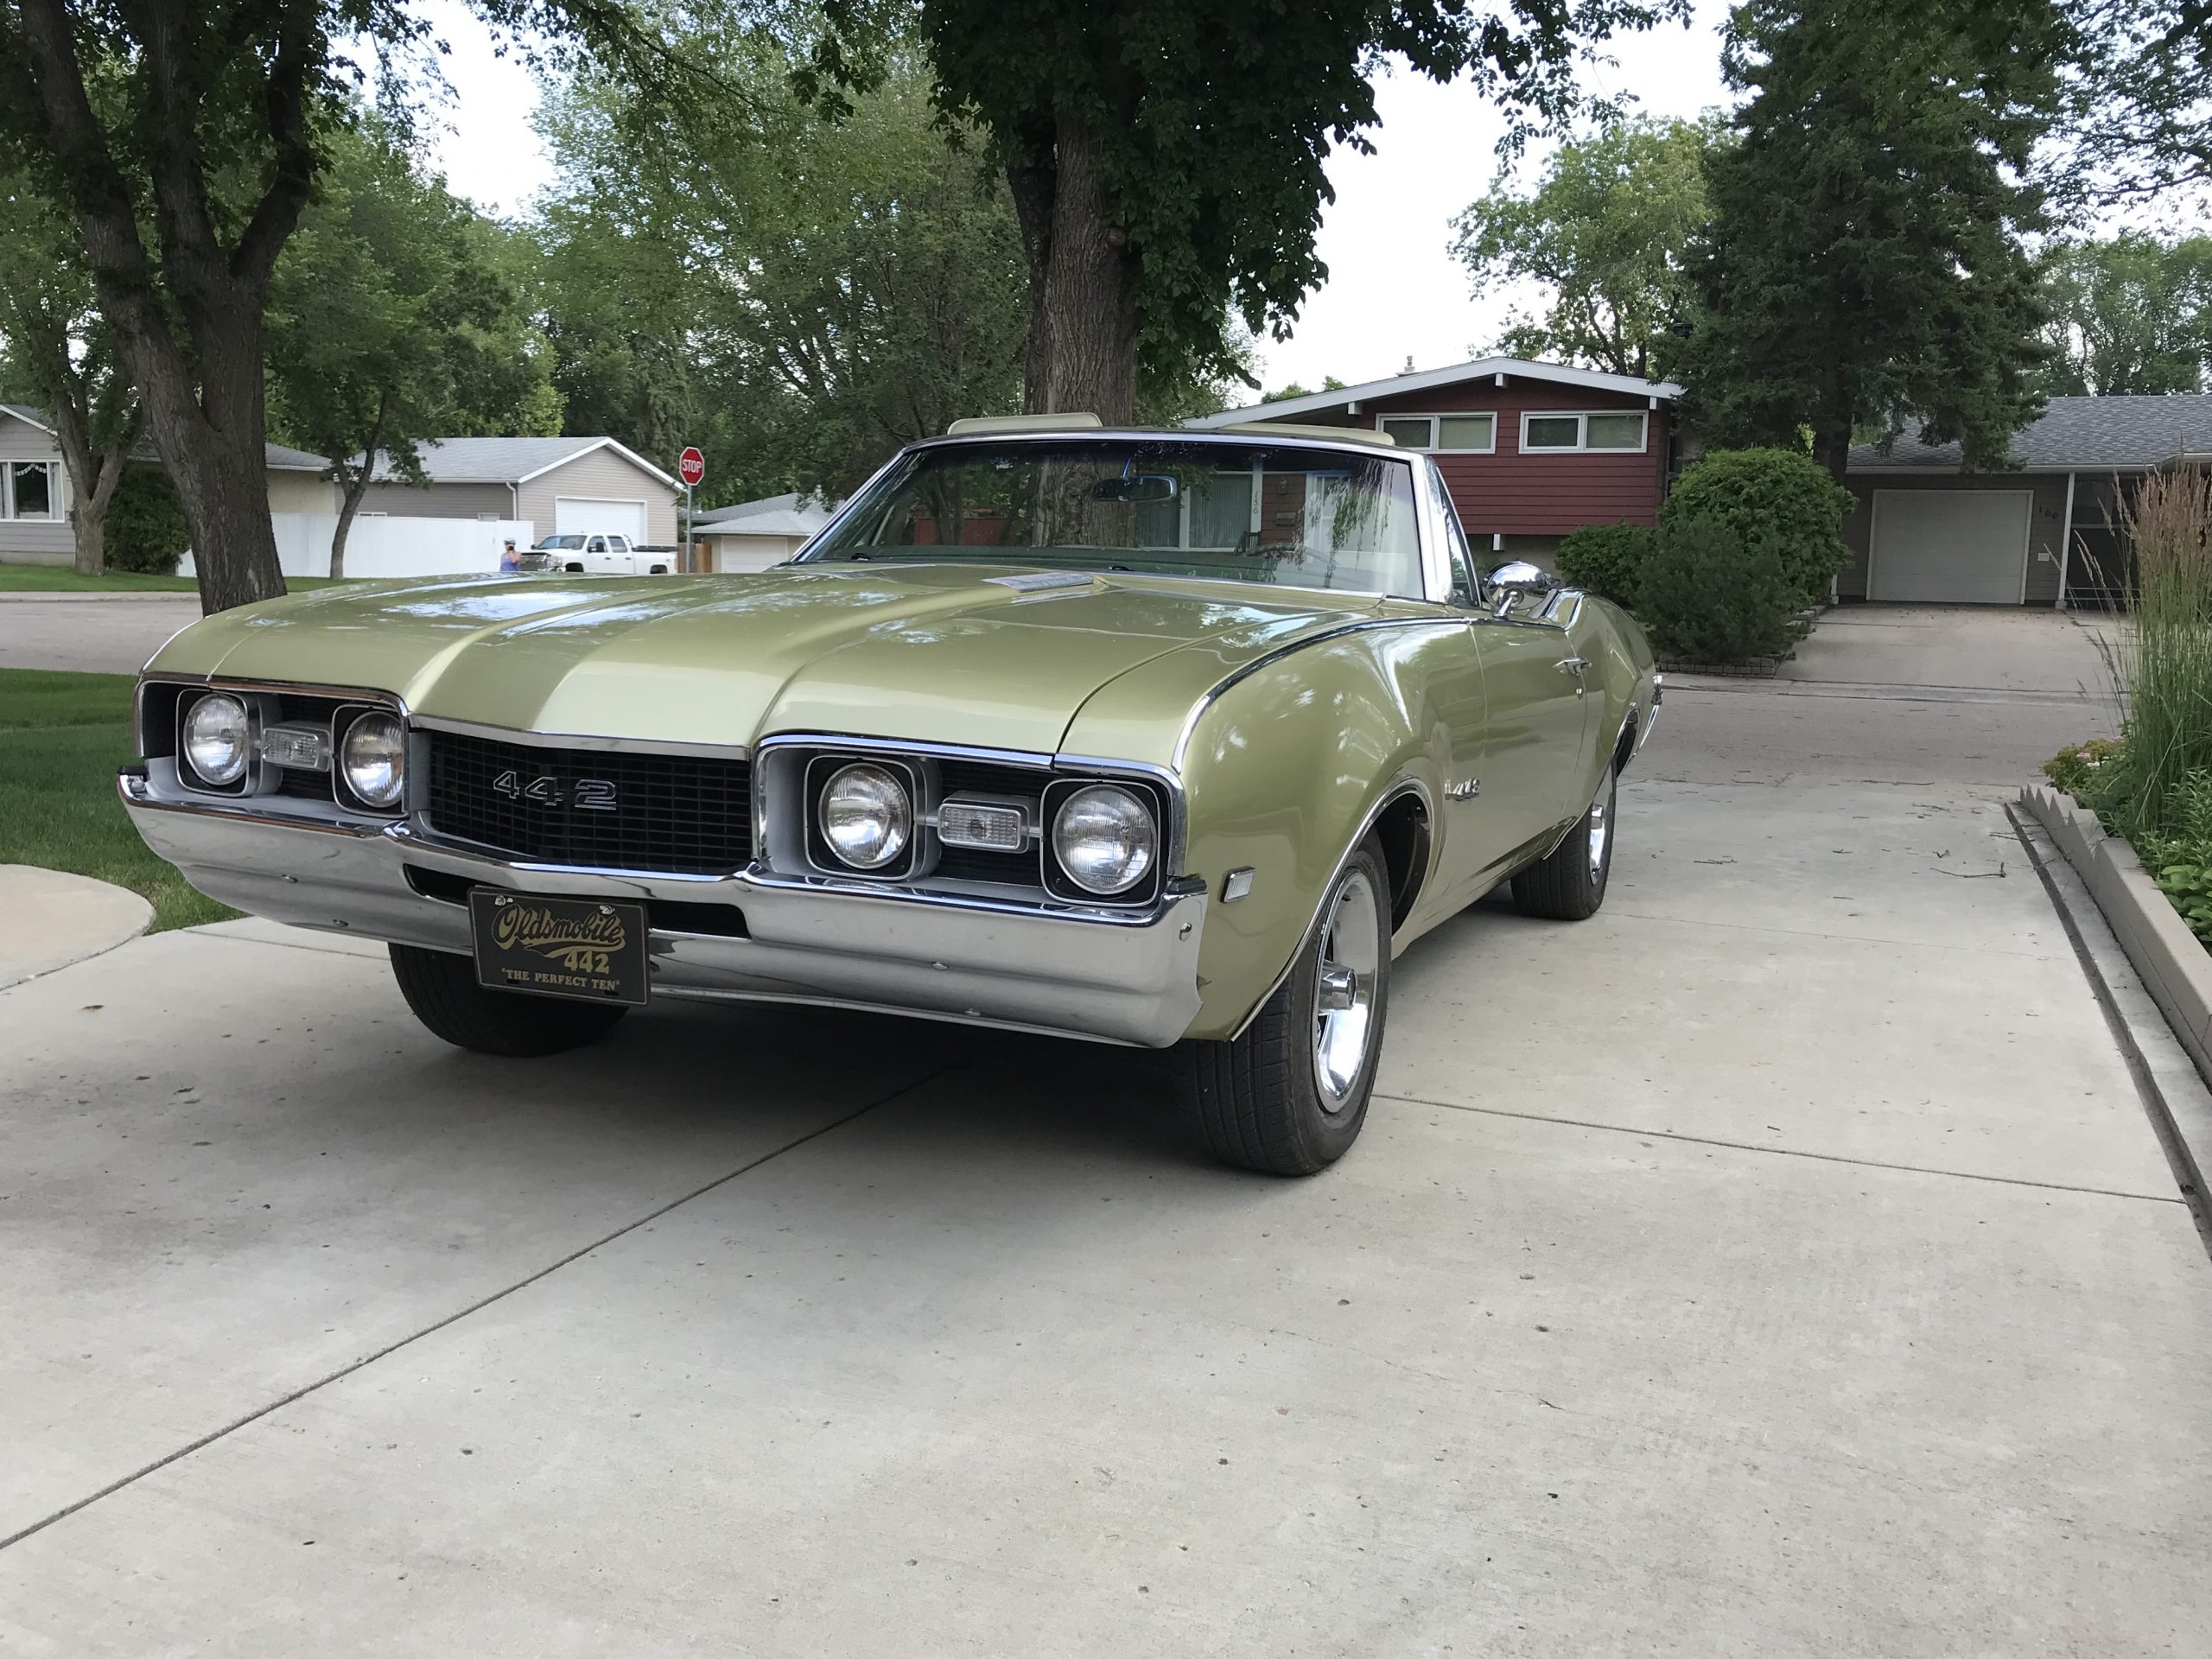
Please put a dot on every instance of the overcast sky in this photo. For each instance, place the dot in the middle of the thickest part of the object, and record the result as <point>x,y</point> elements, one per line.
<point>1394,290</point>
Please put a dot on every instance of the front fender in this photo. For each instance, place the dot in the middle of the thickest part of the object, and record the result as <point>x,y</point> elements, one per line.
<point>1283,772</point>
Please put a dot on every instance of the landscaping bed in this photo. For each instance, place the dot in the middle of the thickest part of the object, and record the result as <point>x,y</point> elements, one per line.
<point>62,738</point>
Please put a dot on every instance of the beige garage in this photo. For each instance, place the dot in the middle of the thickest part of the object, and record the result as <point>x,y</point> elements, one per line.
<point>1951,547</point>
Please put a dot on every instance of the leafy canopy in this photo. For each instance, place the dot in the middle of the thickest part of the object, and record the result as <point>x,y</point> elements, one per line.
<point>2133,314</point>
<point>1604,230</point>
<point>1864,265</point>
<point>392,319</point>
<point>1212,121</point>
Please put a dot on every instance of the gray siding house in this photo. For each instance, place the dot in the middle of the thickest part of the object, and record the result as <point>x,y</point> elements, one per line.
<point>562,485</point>
<point>1926,531</point>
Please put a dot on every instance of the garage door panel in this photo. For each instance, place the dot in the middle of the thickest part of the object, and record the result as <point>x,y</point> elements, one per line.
<point>1951,547</point>
<point>580,516</point>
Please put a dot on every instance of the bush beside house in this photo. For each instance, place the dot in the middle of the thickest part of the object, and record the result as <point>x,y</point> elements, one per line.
<point>146,533</point>
<point>1772,497</point>
<point>1710,595</point>
<point>1606,559</point>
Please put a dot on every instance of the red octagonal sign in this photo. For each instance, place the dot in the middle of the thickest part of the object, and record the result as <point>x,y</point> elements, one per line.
<point>692,466</point>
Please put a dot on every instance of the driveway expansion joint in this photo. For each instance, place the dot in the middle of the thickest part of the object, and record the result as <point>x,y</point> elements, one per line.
<point>1786,1151</point>
<point>476,1306</point>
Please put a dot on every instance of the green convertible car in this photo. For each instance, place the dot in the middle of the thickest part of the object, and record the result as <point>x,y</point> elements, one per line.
<point>1158,738</point>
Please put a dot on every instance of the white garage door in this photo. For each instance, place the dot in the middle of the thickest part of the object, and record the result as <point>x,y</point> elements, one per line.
<point>1951,547</point>
<point>573,516</point>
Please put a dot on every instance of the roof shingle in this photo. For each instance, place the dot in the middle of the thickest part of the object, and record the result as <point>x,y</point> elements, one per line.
<point>2124,433</point>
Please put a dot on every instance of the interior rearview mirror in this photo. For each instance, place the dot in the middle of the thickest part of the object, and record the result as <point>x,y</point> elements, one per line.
<point>1144,486</point>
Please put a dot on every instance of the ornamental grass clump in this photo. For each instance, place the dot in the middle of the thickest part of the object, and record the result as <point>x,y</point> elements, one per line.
<point>2165,663</point>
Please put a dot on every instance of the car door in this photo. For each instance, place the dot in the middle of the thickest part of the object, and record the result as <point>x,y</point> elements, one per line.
<point>1537,710</point>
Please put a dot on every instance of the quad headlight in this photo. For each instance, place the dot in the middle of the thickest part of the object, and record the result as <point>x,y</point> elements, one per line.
<point>373,759</point>
<point>218,739</point>
<point>866,815</point>
<point>1105,838</point>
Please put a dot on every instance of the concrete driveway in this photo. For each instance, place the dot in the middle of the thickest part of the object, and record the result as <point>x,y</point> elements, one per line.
<point>1779,1263</point>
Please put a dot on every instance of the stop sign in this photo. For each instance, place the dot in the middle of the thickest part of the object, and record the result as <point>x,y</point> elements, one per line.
<point>692,466</point>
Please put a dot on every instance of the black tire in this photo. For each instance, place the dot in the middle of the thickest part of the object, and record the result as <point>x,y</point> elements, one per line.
<point>443,991</point>
<point>1570,884</point>
<point>1257,1099</point>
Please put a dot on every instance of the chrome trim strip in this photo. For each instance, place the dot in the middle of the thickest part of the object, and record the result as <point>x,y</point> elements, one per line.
<point>704,994</point>
<point>1403,787</point>
<point>477,852</point>
<point>220,682</point>
<point>897,745</point>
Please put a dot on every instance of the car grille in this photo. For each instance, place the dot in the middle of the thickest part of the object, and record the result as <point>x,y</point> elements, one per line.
<point>686,814</point>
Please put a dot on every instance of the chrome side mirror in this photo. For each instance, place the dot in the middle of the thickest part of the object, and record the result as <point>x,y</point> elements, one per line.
<point>1516,577</point>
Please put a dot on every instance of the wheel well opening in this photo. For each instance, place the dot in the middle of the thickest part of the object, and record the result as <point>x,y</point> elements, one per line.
<point>1625,748</point>
<point>1403,830</point>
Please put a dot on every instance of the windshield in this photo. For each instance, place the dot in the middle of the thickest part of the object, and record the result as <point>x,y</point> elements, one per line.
<point>1295,518</point>
<point>571,542</point>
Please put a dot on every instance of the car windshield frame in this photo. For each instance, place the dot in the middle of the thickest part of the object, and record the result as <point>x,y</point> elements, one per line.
<point>562,543</point>
<point>1149,482</point>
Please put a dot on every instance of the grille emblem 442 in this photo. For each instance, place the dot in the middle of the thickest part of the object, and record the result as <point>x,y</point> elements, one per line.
<point>592,794</point>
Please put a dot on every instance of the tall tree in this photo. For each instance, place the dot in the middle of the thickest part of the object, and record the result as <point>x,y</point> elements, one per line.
<point>2138,101</point>
<point>1864,267</point>
<point>798,297</point>
<point>1167,156</point>
<point>1604,231</point>
<point>390,320</point>
<point>2133,314</point>
<point>57,345</point>
<point>207,119</point>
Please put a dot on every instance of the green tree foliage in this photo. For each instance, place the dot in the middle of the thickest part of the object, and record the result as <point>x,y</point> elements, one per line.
<point>2138,102</point>
<point>1604,230</point>
<point>1864,268</point>
<point>1776,500</point>
<point>1165,156</point>
<point>1607,559</point>
<point>799,297</point>
<point>1711,595</point>
<point>184,139</point>
<point>2133,314</point>
<point>391,320</point>
<point>61,350</point>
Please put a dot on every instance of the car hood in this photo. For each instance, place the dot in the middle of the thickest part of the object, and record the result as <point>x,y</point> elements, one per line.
<point>931,652</point>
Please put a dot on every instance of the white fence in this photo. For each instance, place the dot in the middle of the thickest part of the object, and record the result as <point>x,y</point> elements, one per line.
<point>383,546</point>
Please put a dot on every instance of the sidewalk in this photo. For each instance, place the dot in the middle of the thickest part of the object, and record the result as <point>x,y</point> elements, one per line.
<point>54,920</point>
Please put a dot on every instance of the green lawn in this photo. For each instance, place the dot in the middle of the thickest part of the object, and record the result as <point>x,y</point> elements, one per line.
<point>62,738</point>
<point>60,579</point>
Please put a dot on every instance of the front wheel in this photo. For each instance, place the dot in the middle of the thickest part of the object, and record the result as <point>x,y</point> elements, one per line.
<point>1570,884</point>
<point>442,990</point>
<point>1289,1095</point>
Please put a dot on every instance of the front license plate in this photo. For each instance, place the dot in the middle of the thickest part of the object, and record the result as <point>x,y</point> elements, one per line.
<point>559,947</point>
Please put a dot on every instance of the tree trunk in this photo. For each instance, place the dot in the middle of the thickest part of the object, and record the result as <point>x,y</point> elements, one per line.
<point>88,515</point>
<point>1031,188</point>
<point>1082,320</point>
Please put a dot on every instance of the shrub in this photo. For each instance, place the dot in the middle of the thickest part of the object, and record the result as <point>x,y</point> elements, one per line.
<point>1709,595</point>
<point>1777,495</point>
<point>2084,771</point>
<point>145,524</point>
<point>1606,559</point>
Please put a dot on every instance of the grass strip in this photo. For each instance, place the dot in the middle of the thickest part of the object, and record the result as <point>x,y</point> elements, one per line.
<point>62,737</point>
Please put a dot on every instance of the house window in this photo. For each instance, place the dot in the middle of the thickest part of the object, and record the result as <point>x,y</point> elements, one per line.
<point>1598,429</point>
<point>1466,435</point>
<point>32,491</point>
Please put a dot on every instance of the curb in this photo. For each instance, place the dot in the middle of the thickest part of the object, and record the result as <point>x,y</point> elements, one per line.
<point>2151,976</point>
<point>59,919</point>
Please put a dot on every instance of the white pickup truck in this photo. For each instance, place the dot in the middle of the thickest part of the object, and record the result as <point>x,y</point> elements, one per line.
<point>596,555</point>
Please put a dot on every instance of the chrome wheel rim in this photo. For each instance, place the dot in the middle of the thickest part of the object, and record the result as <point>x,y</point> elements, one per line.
<point>1601,826</point>
<point>1351,955</point>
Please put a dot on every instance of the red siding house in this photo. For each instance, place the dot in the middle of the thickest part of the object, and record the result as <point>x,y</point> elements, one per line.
<point>1531,450</point>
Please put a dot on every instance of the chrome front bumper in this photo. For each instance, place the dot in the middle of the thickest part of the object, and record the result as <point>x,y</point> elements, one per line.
<point>1067,973</point>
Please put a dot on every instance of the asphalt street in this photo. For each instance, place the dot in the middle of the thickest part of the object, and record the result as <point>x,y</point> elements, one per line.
<point>1779,1263</point>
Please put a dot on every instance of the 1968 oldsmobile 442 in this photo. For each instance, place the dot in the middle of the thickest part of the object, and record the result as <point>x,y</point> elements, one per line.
<point>1157,738</point>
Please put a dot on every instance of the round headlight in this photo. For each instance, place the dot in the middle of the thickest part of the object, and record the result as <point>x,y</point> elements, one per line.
<point>865,817</point>
<point>1105,838</point>
<point>372,758</point>
<point>217,741</point>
